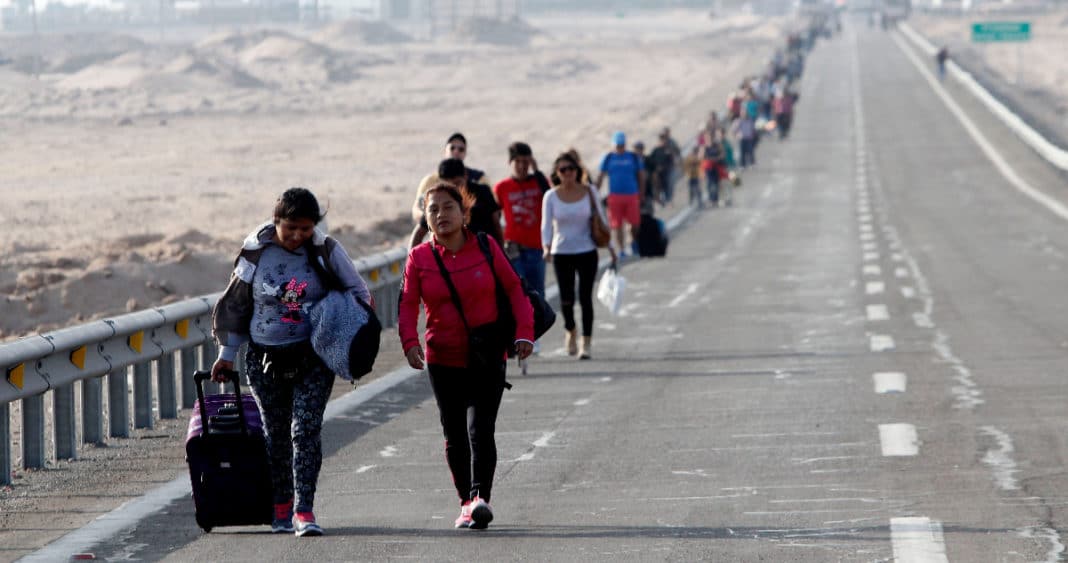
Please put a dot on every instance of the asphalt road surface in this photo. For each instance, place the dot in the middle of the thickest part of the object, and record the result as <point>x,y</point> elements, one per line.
<point>862,360</point>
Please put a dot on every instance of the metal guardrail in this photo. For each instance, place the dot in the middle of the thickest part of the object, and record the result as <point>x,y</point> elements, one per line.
<point>52,363</point>
<point>1055,155</point>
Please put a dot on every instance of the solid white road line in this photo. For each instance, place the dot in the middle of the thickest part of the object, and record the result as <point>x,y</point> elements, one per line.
<point>878,313</point>
<point>898,440</point>
<point>988,149</point>
<point>917,540</point>
<point>874,287</point>
<point>889,382</point>
<point>880,342</point>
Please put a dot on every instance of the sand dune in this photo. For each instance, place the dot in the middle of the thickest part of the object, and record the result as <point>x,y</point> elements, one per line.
<point>131,181</point>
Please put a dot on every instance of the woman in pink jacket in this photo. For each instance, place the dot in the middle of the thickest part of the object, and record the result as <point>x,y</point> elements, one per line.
<point>459,388</point>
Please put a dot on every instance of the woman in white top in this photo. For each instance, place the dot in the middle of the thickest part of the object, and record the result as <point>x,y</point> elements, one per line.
<point>568,244</point>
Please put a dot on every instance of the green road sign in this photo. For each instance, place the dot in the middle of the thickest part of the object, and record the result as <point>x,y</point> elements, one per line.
<point>987,32</point>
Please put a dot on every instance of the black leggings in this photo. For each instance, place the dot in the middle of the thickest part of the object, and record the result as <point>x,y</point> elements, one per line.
<point>468,404</point>
<point>566,265</point>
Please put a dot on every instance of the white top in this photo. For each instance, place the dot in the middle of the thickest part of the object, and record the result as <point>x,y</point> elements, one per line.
<point>565,227</point>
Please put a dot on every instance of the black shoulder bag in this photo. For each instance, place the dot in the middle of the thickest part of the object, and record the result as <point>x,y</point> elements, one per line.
<point>487,343</point>
<point>544,316</point>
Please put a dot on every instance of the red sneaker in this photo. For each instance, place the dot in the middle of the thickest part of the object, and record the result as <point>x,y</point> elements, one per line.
<point>464,520</point>
<point>306,525</point>
<point>283,518</point>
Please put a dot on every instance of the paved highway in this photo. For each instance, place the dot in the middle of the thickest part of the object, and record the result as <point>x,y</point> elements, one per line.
<point>863,360</point>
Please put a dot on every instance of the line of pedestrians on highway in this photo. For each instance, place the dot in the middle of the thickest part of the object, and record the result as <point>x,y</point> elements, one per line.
<point>476,269</point>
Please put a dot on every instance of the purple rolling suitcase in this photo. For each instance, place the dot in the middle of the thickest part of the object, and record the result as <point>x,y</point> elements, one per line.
<point>227,454</point>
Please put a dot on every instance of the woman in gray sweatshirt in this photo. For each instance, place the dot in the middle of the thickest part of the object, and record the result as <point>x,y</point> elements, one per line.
<point>285,267</point>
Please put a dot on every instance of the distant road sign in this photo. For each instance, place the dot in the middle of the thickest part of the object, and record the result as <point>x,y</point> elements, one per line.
<point>988,32</point>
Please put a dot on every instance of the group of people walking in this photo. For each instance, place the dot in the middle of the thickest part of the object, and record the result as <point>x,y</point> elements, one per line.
<point>476,251</point>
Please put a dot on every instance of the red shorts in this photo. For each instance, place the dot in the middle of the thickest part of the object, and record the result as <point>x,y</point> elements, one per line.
<point>624,209</point>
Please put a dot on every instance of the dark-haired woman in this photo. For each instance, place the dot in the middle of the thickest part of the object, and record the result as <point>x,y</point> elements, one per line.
<point>280,274</point>
<point>567,242</point>
<point>468,397</point>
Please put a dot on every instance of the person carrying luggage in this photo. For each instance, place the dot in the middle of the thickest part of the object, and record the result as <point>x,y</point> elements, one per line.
<point>285,268</point>
<point>567,239</point>
<point>464,295</point>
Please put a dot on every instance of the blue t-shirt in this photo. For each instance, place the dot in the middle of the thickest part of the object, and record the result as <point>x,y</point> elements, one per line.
<point>622,170</point>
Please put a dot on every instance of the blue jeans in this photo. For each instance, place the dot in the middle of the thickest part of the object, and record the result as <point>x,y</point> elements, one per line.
<point>530,265</point>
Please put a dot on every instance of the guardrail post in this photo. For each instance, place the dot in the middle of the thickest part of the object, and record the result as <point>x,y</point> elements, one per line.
<point>33,432</point>
<point>143,395</point>
<point>93,411</point>
<point>5,444</point>
<point>64,422</point>
<point>118,404</point>
<point>168,401</point>
<point>208,352</point>
<point>190,363</point>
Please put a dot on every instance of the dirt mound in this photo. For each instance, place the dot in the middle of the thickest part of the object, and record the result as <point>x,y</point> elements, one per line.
<point>361,32</point>
<point>283,60</point>
<point>513,32</point>
<point>68,52</point>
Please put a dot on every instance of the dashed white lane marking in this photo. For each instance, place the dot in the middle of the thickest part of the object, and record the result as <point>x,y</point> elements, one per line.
<point>908,292</point>
<point>878,313</point>
<point>880,342</point>
<point>365,468</point>
<point>901,272</point>
<point>1001,460</point>
<point>605,379</point>
<point>872,270</point>
<point>390,451</point>
<point>874,287</point>
<point>889,382</point>
<point>539,443</point>
<point>864,217</point>
<point>544,440</point>
<point>896,257</point>
<point>922,320</point>
<point>582,402</point>
<point>871,256</point>
<point>865,228</point>
<point>682,297</point>
<point>898,440</point>
<point>917,540</point>
<point>869,246</point>
<point>867,237</point>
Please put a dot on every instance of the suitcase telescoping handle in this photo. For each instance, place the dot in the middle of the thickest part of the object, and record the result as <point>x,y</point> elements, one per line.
<point>199,377</point>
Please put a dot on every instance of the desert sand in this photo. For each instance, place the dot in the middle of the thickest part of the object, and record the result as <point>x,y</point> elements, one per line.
<point>132,169</point>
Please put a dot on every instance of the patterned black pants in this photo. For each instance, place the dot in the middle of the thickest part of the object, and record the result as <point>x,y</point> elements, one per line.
<point>292,412</point>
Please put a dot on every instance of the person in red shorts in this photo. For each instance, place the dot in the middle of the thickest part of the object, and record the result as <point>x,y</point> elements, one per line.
<point>626,172</point>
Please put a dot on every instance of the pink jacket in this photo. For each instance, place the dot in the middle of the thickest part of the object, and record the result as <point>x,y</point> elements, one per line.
<point>446,338</point>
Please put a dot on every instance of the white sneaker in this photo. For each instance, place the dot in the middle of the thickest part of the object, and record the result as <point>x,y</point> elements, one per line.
<point>481,514</point>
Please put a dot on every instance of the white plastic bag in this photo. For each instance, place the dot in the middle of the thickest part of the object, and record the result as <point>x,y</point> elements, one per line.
<point>610,290</point>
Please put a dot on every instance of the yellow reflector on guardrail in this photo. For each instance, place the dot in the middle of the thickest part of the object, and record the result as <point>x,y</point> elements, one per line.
<point>77,357</point>
<point>374,275</point>
<point>182,328</point>
<point>135,341</point>
<point>15,375</point>
<point>395,267</point>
